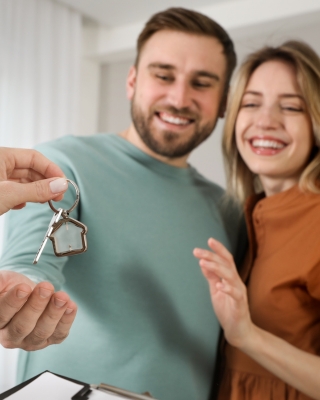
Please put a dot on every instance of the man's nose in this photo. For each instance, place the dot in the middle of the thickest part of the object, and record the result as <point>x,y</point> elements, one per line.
<point>179,95</point>
<point>267,118</point>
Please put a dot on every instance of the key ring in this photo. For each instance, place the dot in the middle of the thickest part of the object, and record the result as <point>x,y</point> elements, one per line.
<point>75,203</point>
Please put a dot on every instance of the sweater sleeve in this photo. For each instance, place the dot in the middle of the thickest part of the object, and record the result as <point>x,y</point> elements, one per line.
<point>25,230</point>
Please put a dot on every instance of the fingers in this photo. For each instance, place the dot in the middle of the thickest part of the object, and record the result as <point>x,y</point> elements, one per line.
<point>52,327</point>
<point>24,321</point>
<point>45,318</point>
<point>12,159</point>
<point>219,269</point>
<point>218,248</point>
<point>63,327</point>
<point>12,301</point>
<point>14,195</point>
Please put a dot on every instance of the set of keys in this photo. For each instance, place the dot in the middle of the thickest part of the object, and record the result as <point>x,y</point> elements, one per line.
<point>68,236</point>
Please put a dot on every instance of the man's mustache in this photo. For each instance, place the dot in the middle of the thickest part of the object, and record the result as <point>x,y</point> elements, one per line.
<point>184,112</point>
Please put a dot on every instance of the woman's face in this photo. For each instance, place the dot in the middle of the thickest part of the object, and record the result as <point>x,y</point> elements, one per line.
<point>273,127</point>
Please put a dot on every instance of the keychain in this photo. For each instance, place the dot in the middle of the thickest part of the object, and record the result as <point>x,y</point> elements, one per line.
<point>68,235</point>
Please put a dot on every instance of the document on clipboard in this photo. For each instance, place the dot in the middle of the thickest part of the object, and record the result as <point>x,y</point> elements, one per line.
<point>50,386</point>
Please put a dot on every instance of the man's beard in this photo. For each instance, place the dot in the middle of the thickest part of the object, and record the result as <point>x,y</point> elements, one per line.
<point>170,144</point>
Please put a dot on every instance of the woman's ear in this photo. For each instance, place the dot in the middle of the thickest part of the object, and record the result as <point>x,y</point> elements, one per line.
<point>131,82</point>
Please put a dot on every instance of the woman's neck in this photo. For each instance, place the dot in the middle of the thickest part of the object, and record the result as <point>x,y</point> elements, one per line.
<point>273,186</point>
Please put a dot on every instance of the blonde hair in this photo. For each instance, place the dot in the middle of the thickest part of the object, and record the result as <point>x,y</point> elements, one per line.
<point>241,182</point>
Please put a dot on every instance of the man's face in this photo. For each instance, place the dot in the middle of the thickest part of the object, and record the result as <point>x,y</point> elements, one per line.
<point>176,91</point>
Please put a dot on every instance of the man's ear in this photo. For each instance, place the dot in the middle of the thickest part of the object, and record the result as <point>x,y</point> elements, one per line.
<point>223,105</point>
<point>131,82</point>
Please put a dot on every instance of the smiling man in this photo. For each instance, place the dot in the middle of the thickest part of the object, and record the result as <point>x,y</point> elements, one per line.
<point>145,321</point>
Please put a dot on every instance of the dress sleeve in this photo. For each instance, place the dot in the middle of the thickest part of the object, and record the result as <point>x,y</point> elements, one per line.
<point>25,229</point>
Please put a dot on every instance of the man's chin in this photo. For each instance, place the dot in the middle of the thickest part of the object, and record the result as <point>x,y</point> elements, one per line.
<point>172,147</point>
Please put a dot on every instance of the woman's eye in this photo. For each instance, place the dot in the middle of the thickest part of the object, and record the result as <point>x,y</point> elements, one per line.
<point>249,105</point>
<point>292,108</point>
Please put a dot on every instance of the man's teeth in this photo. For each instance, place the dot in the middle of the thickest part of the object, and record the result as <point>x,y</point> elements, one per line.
<point>267,144</point>
<point>174,120</point>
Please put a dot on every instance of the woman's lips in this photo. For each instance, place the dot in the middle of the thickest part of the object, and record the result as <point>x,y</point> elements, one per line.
<point>266,145</point>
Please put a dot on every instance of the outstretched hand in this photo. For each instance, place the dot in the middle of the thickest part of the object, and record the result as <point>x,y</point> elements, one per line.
<point>32,316</point>
<point>228,292</point>
<point>27,175</point>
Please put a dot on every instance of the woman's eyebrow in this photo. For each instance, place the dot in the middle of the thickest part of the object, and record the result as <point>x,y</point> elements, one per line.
<point>282,95</point>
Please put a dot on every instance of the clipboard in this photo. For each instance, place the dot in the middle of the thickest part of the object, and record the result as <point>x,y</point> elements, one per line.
<point>69,389</point>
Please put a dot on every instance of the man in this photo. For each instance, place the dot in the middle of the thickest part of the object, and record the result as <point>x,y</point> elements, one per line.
<point>145,320</point>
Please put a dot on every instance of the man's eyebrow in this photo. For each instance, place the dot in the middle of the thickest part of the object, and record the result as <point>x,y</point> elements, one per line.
<point>161,66</point>
<point>208,74</point>
<point>170,67</point>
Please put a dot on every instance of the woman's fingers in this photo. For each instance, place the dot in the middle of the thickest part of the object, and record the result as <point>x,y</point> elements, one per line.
<point>219,249</point>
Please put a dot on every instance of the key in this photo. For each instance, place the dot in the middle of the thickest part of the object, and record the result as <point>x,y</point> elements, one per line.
<point>68,237</point>
<point>54,220</point>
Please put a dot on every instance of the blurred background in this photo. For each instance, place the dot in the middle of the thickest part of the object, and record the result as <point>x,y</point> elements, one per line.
<point>63,66</point>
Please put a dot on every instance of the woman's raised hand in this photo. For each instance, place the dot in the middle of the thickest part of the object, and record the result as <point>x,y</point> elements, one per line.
<point>228,292</point>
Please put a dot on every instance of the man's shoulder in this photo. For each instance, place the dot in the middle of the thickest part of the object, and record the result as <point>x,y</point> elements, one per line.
<point>213,189</point>
<point>76,143</point>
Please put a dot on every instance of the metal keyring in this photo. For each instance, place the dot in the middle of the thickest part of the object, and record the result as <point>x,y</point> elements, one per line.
<point>75,203</point>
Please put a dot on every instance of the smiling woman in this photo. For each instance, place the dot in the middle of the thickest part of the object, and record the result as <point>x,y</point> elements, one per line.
<point>273,129</point>
<point>271,146</point>
<point>296,100</point>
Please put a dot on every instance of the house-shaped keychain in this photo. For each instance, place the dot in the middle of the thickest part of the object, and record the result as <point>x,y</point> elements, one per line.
<point>68,237</point>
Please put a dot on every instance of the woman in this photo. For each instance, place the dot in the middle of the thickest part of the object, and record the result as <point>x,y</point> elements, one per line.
<point>271,139</point>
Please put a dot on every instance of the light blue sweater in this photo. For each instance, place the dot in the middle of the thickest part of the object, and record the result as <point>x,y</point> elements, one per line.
<point>145,320</point>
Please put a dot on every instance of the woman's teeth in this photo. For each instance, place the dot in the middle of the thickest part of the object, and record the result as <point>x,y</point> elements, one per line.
<point>268,144</point>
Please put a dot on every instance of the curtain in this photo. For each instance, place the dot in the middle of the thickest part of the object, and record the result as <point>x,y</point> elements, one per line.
<point>40,61</point>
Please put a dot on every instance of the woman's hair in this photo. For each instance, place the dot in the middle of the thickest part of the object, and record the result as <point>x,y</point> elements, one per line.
<point>241,182</point>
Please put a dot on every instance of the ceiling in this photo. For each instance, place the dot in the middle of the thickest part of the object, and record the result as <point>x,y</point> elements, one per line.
<point>113,13</point>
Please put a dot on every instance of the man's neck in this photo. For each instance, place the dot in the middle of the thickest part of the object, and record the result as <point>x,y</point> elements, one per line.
<point>132,136</point>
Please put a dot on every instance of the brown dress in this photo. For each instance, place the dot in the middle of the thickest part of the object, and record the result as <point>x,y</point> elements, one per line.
<point>283,289</point>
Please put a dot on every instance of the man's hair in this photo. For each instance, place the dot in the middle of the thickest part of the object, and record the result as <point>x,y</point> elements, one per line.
<point>188,21</point>
<point>241,181</point>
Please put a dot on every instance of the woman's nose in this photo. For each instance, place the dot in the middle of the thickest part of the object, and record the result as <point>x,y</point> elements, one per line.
<point>267,118</point>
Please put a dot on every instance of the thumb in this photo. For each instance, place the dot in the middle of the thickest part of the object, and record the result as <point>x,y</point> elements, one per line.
<point>13,194</point>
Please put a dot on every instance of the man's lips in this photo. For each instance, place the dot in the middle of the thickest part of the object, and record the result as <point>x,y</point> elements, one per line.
<point>177,120</point>
<point>267,145</point>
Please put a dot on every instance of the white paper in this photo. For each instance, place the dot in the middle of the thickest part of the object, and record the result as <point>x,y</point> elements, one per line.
<point>51,387</point>
<point>47,387</point>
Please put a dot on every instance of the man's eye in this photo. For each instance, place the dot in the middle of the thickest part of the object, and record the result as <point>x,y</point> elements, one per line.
<point>199,84</point>
<point>164,78</point>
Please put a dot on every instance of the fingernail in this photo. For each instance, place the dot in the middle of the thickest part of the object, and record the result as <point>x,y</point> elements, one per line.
<point>58,185</point>
<point>44,293</point>
<point>59,303</point>
<point>21,294</point>
<point>68,311</point>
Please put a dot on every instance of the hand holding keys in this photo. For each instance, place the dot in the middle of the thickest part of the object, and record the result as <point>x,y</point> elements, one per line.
<point>68,235</point>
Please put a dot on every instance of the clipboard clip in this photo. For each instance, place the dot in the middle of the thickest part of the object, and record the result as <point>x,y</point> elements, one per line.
<point>122,392</point>
<point>83,393</point>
